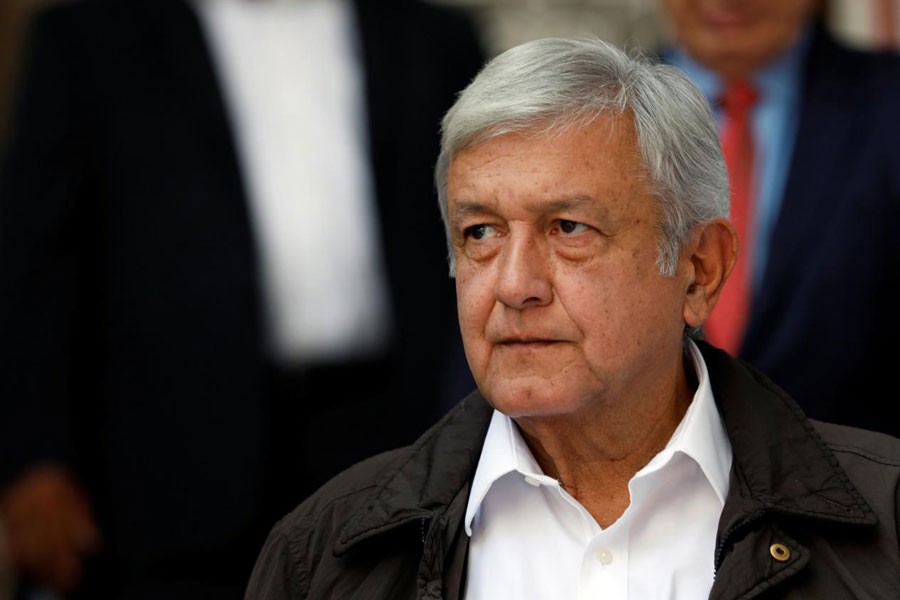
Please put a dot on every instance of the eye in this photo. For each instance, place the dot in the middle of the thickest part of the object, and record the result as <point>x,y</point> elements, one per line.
<point>478,232</point>
<point>571,227</point>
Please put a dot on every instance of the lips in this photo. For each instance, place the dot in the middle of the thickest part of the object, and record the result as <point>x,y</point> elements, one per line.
<point>509,336</point>
<point>530,334</point>
<point>529,341</point>
<point>725,18</point>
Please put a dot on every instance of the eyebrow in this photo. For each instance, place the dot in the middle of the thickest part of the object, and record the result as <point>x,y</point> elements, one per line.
<point>464,208</point>
<point>572,203</point>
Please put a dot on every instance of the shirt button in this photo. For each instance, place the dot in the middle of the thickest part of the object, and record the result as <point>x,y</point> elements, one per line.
<point>604,556</point>
<point>532,481</point>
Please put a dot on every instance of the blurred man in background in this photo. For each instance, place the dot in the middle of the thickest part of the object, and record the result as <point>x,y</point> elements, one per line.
<point>809,129</point>
<point>219,251</point>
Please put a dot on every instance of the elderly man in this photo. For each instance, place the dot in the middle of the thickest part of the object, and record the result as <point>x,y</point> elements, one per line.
<point>605,454</point>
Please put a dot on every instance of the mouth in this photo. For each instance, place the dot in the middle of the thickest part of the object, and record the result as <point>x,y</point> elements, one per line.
<point>725,19</point>
<point>527,342</point>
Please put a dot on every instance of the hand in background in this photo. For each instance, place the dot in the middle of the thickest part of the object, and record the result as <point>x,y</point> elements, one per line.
<point>50,526</point>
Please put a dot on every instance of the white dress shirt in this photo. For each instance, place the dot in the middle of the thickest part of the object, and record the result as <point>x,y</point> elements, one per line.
<point>531,539</point>
<point>294,88</point>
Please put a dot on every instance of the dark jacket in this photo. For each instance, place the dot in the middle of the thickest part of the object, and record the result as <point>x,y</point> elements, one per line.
<point>392,526</point>
<point>822,340</point>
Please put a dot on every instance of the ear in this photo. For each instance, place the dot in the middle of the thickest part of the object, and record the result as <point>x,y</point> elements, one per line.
<point>711,256</point>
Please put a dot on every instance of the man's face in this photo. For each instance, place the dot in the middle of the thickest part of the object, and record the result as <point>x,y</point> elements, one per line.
<point>734,37</point>
<point>561,303</point>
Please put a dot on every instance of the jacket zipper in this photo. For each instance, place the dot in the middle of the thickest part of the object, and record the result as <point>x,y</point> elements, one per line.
<point>746,523</point>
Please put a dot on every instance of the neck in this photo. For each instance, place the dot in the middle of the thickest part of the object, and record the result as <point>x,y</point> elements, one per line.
<point>595,455</point>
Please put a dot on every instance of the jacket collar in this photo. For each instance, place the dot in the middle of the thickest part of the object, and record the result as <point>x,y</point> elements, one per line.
<point>780,465</point>
<point>422,485</point>
<point>780,462</point>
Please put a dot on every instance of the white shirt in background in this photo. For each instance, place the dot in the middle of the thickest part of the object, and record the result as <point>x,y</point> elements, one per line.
<point>295,91</point>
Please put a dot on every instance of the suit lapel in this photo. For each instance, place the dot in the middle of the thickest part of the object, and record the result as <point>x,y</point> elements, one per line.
<point>186,58</point>
<point>381,43</point>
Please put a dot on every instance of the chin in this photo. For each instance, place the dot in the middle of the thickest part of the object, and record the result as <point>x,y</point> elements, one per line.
<point>531,397</point>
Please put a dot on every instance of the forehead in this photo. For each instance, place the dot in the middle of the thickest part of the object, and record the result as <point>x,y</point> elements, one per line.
<point>598,163</point>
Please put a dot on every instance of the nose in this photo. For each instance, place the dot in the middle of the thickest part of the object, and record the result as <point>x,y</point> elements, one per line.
<point>523,280</point>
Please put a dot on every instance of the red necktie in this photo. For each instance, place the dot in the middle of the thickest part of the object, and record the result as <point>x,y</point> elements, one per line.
<point>725,326</point>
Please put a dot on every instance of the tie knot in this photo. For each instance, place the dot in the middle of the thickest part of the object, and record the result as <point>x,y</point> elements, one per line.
<point>739,96</point>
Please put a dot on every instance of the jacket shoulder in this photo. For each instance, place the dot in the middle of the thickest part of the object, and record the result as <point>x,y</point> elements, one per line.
<point>286,564</point>
<point>91,34</point>
<point>869,445</point>
<point>871,461</point>
<point>367,526</point>
<point>349,489</point>
<point>84,14</point>
<point>404,472</point>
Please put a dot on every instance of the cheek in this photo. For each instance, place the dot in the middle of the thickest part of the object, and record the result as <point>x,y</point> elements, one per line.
<point>596,310</point>
<point>783,32</point>
<point>611,307</point>
<point>474,301</point>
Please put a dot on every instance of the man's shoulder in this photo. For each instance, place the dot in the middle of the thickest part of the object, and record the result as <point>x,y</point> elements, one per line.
<point>346,494</point>
<point>390,497</point>
<point>104,27</point>
<point>871,461</point>
<point>91,13</point>
<point>869,70</point>
<point>301,548</point>
<point>396,483</point>
<point>868,447</point>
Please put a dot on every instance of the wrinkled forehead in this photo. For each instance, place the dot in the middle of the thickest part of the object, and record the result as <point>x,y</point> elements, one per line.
<point>583,144</point>
<point>547,126</point>
<point>560,170</point>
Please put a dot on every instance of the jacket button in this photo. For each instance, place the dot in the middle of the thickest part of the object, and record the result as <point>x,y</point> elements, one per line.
<point>780,552</point>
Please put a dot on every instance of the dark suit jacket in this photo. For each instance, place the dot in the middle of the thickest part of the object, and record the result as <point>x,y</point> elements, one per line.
<point>826,322</point>
<point>131,340</point>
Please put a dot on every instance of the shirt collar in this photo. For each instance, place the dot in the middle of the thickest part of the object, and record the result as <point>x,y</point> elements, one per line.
<point>700,435</point>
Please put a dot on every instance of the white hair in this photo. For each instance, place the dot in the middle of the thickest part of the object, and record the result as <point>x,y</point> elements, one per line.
<point>549,85</point>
